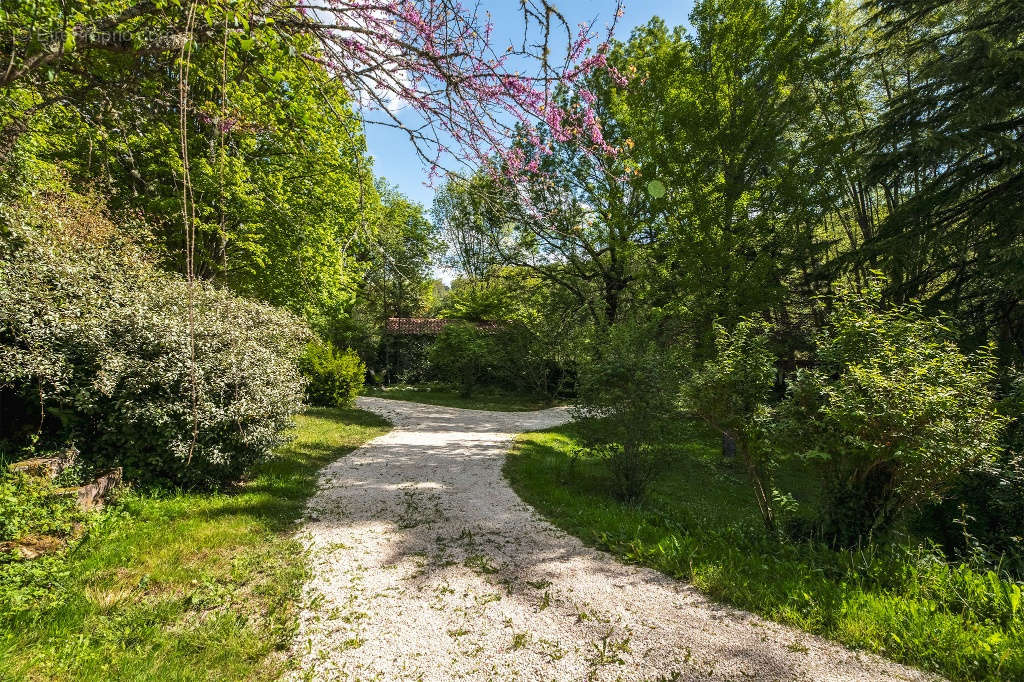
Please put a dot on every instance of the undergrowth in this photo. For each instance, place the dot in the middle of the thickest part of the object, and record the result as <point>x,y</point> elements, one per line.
<point>182,585</point>
<point>699,524</point>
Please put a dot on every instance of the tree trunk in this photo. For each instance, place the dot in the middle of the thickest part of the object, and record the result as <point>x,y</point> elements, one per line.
<point>728,449</point>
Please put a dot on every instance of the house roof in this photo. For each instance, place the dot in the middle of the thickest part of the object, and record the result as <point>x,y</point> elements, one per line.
<point>415,325</point>
<point>427,326</point>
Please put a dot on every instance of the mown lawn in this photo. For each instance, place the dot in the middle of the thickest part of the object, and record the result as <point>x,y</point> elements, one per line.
<point>186,586</point>
<point>481,400</point>
<point>699,523</point>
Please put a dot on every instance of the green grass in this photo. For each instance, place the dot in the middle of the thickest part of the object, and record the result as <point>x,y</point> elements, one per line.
<point>483,399</point>
<point>186,586</point>
<point>699,523</point>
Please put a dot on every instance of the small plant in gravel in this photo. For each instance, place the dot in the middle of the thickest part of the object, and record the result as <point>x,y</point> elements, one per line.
<point>480,564</point>
<point>609,651</point>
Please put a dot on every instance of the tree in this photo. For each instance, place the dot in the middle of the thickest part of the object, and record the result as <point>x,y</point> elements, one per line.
<point>434,55</point>
<point>400,251</point>
<point>950,143</point>
<point>628,380</point>
<point>576,221</point>
<point>279,186</point>
<point>467,219</point>
<point>727,125</point>
<point>460,355</point>
<point>232,128</point>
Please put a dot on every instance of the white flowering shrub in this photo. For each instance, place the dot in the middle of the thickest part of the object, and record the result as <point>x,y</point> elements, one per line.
<point>95,349</point>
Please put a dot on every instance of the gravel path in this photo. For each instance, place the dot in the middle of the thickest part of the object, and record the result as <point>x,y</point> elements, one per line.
<point>427,566</point>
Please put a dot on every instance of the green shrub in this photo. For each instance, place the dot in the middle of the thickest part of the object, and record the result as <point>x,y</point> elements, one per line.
<point>629,381</point>
<point>332,379</point>
<point>632,468</point>
<point>97,341</point>
<point>29,506</point>
<point>460,355</point>
<point>982,517</point>
<point>529,359</point>
<point>894,414</point>
<point>731,392</point>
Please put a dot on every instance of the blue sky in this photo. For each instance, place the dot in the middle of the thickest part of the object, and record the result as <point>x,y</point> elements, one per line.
<point>394,157</point>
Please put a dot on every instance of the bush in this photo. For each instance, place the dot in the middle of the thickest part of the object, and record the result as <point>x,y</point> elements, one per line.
<point>895,413</point>
<point>524,358</point>
<point>632,468</point>
<point>460,355</point>
<point>627,383</point>
<point>982,517</point>
<point>332,379</point>
<point>31,506</point>
<point>404,359</point>
<point>731,393</point>
<point>96,340</point>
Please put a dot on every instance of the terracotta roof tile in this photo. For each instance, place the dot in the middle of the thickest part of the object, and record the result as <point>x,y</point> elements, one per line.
<point>427,326</point>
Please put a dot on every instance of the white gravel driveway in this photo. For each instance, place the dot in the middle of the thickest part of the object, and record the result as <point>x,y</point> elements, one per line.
<point>427,566</point>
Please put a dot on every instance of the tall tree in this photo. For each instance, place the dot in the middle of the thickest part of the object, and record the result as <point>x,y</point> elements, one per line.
<point>953,142</point>
<point>738,144</point>
<point>399,280</point>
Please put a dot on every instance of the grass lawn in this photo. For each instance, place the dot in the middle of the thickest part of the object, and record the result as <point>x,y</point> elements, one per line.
<point>481,400</point>
<point>700,523</point>
<point>186,586</point>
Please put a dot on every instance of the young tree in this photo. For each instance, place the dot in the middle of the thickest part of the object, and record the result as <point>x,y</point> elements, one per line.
<point>732,391</point>
<point>627,383</point>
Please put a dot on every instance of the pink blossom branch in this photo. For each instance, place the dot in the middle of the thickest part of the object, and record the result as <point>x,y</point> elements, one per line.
<point>440,60</point>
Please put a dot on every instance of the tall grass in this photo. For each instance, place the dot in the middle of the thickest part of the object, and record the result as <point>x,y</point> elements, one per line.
<point>699,523</point>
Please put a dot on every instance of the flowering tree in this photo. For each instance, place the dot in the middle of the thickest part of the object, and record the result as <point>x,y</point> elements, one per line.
<point>438,57</point>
